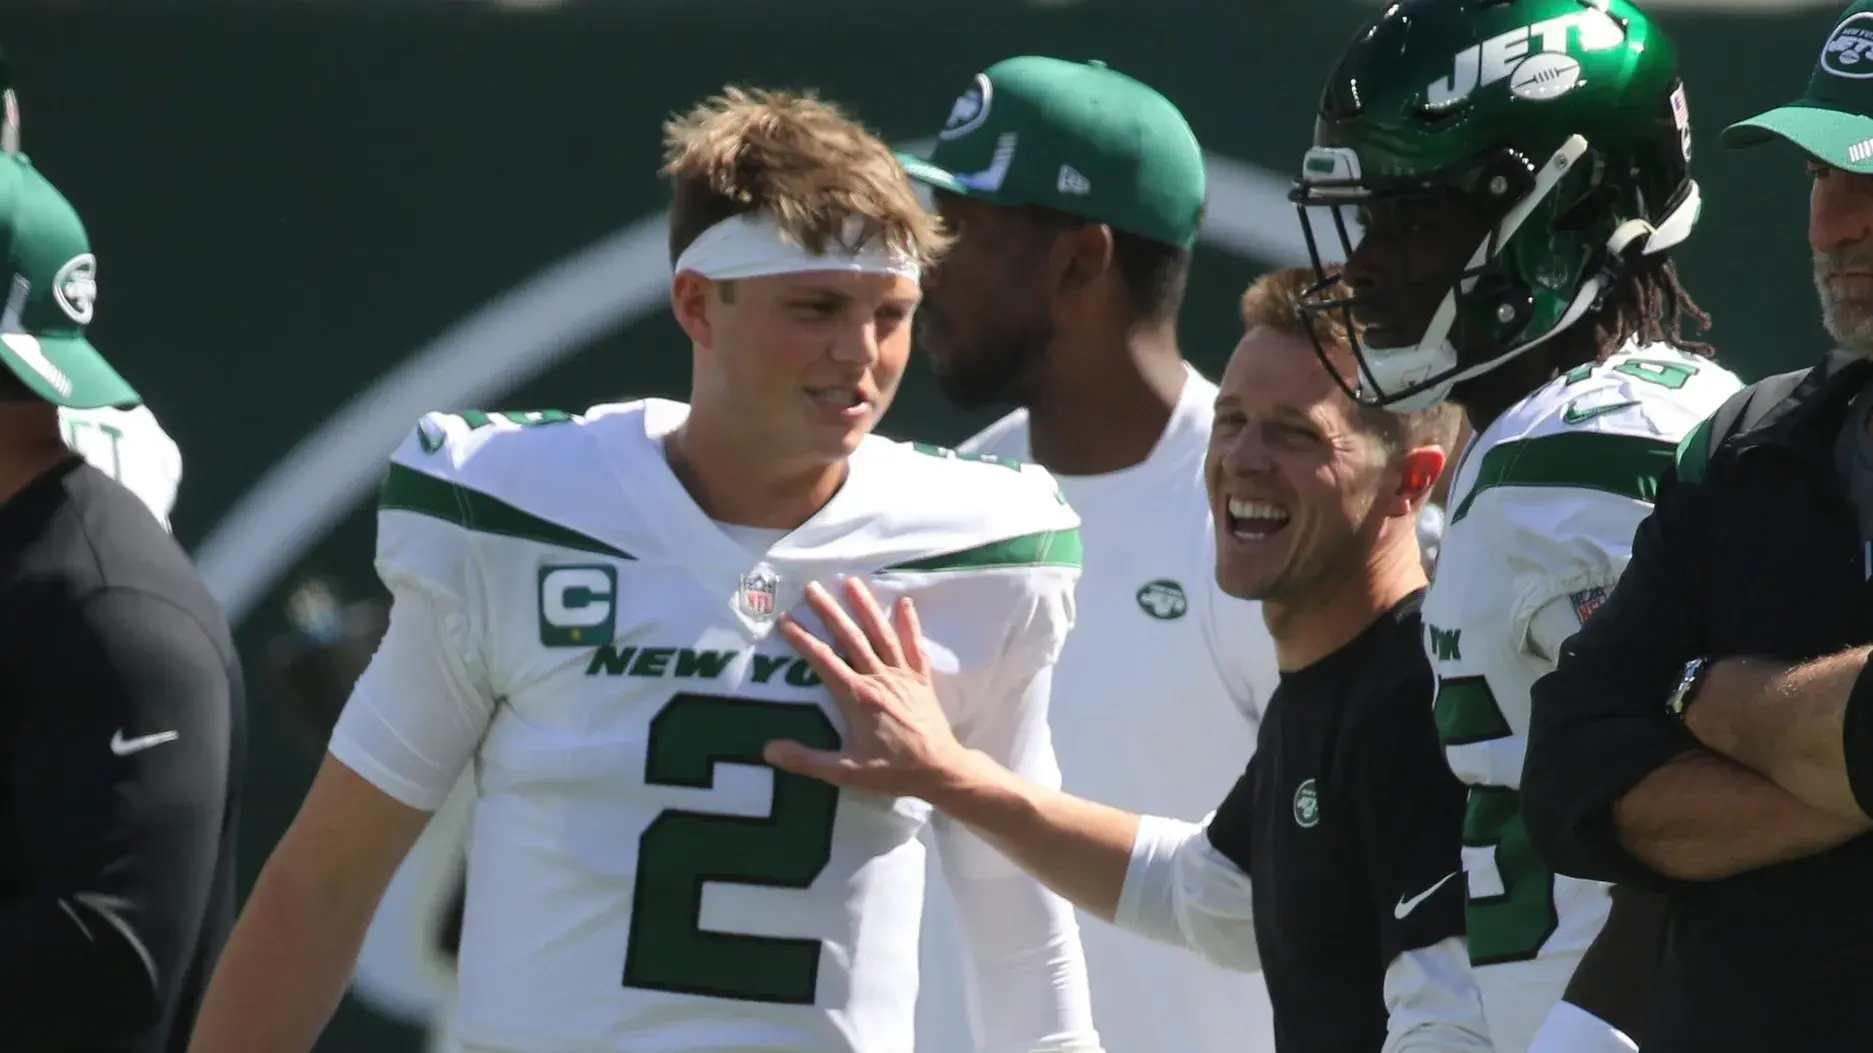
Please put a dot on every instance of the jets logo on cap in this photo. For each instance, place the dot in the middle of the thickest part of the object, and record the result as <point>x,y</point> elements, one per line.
<point>970,110</point>
<point>1849,52</point>
<point>75,287</point>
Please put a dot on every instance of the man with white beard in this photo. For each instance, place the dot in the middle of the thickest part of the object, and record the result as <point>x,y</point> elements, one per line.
<point>1690,741</point>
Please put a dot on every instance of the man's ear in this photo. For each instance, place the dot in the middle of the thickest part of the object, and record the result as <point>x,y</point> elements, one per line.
<point>1088,256</point>
<point>690,294</point>
<point>1418,470</point>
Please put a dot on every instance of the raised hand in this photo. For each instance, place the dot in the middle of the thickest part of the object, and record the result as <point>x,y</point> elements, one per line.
<point>899,742</point>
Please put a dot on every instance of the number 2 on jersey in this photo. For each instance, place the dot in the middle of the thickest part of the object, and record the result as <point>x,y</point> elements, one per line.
<point>680,851</point>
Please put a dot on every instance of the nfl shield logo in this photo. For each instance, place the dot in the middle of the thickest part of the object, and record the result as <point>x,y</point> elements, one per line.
<point>756,598</point>
<point>1585,603</point>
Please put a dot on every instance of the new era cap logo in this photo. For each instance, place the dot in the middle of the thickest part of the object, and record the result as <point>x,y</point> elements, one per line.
<point>1072,182</point>
<point>1849,52</point>
<point>970,110</point>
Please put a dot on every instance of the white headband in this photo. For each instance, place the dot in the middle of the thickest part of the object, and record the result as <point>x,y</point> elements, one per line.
<point>749,245</point>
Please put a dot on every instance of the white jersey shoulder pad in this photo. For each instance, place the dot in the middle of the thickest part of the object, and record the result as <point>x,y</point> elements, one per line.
<point>1007,437</point>
<point>935,508</point>
<point>1650,392</point>
<point>526,475</point>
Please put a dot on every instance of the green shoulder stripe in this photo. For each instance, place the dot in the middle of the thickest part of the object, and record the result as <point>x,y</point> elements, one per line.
<point>1047,548</point>
<point>409,490</point>
<point>1693,454</point>
<point>1627,465</point>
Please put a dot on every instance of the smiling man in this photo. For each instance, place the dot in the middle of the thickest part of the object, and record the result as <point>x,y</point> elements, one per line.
<point>1332,863</point>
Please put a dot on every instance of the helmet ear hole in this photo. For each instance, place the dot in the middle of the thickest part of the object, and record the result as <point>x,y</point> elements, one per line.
<point>1500,304</point>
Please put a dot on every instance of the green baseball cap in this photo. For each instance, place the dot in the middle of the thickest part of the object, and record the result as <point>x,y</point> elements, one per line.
<point>1075,137</point>
<point>48,284</point>
<point>1833,120</point>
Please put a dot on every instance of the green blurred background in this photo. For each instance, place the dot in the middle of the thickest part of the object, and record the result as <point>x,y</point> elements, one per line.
<point>316,220</point>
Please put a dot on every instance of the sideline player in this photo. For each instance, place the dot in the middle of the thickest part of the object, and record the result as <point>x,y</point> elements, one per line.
<point>1061,296</point>
<point>1518,215</point>
<point>121,749</point>
<point>127,444</point>
<point>583,608</point>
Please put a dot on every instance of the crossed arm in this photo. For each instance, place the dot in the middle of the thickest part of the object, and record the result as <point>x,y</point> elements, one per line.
<point>1787,722</point>
<point>1616,789</point>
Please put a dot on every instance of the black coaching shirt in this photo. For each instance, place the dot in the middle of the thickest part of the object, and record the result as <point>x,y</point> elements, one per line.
<point>1348,822</point>
<point>121,744</point>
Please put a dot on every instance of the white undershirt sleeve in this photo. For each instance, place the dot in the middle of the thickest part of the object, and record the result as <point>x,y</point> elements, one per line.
<point>1432,1003</point>
<point>421,707</point>
<point>1571,1029</point>
<point>1180,890</point>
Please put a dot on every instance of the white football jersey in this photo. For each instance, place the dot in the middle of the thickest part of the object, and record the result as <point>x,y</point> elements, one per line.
<point>638,880</point>
<point>1540,523</point>
<point>1157,700</point>
<point>130,447</point>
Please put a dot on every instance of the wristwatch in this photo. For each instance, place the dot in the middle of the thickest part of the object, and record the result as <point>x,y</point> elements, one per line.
<point>1688,683</point>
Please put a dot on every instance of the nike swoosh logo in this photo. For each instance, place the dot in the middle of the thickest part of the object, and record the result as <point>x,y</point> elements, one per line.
<point>124,747</point>
<point>1406,906</point>
<point>1570,415</point>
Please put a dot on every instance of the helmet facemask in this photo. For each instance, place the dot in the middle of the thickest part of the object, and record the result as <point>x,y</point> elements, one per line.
<point>1498,300</point>
<point>1543,261</point>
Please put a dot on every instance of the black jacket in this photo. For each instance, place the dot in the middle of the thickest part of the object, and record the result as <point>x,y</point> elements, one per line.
<point>1751,549</point>
<point>121,749</point>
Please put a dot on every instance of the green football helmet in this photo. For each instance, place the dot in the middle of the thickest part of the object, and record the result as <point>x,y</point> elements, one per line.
<point>1547,140</point>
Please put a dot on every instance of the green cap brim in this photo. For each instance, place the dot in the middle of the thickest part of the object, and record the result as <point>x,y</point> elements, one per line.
<point>1831,136</point>
<point>66,371</point>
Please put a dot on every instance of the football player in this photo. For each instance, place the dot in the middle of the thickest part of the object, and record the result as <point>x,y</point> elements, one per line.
<point>582,615</point>
<point>1507,181</point>
<point>128,444</point>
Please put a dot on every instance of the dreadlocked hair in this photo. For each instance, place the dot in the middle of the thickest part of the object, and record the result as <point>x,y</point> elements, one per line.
<point>1652,306</point>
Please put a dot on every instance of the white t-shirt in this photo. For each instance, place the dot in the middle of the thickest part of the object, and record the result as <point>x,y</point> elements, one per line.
<point>572,630</point>
<point>1157,700</point>
<point>130,447</point>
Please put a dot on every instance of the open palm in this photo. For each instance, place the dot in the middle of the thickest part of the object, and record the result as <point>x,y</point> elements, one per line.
<point>899,742</point>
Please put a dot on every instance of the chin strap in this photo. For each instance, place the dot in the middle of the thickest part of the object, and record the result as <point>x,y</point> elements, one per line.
<point>1635,239</point>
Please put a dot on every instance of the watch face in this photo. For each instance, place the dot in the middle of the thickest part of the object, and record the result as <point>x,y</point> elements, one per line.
<point>1692,669</point>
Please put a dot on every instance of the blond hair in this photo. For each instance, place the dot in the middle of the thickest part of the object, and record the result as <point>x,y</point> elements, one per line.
<point>804,163</point>
<point>1273,301</point>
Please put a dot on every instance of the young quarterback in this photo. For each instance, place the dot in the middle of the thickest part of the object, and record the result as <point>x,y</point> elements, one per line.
<point>1520,171</point>
<point>583,614</point>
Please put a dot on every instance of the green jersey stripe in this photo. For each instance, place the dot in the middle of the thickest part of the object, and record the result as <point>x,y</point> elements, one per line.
<point>1627,465</point>
<point>408,490</point>
<point>1047,548</point>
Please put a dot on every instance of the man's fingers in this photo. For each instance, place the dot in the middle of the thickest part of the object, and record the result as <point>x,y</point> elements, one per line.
<point>787,755</point>
<point>822,658</point>
<point>847,637</point>
<point>872,618</point>
<point>910,630</point>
